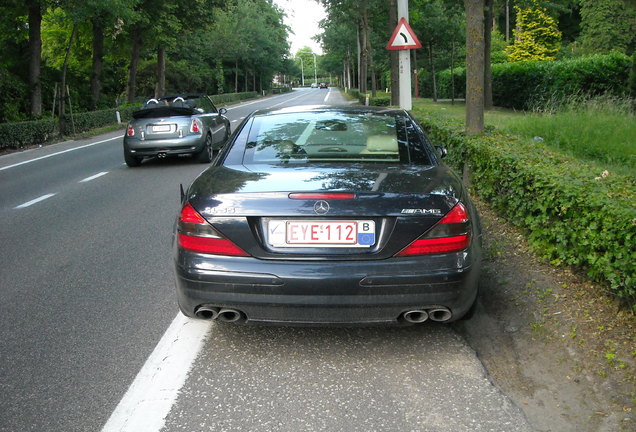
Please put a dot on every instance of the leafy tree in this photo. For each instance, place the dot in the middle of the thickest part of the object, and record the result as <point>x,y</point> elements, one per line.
<point>437,24</point>
<point>537,36</point>
<point>608,25</point>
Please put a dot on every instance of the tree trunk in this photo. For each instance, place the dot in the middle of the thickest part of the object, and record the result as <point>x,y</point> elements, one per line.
<point>35,57</point>
<point>235,76</point>
<point>374,82</point>
<point>131,88</point>
<point>349,67</point>
<point>474,66</point>
<point>63,94</point>
<point>161,72</point>
<point>395,62</point>
<point>488,23</point>
<point>98,55</point>
<point>364,36</point>
<point>452,71</point>
<point>432,63</point>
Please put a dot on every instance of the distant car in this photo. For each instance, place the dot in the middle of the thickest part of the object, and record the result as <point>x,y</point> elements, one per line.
<point>324,85</point>
<point>175,125</point>
<point>328,215</point>
<point>314,85</point>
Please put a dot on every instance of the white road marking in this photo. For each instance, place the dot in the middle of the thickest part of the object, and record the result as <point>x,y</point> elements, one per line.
<point>58,153</point>
<point>327,97</point>
<point>150,397</point>
<point>37,200</point>
<point>93,177</point>
<point>288,100</point>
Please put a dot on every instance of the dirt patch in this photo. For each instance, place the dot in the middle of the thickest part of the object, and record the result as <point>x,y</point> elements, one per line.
<point>559,348</point>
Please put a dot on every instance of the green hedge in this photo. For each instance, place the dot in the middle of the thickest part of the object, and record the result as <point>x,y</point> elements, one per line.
<point>23,134</point>
<point>373,101</point>
<point>233,97</point>
<point>524,85</point>
<point>573,217</point>
<point>95,119</point>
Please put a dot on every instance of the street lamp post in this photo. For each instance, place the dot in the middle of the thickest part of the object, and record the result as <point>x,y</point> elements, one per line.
<point>302,70</point>
<point>315,76</point>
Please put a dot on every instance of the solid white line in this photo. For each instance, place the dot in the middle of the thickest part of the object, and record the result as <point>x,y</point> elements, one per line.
<point>37,200</point>
<point>58,153</point>
<point>150,397</point>
<point>93,177</point>
<point>327,97</point>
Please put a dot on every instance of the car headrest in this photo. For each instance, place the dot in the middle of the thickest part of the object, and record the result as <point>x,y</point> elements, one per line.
<point>382,144</point>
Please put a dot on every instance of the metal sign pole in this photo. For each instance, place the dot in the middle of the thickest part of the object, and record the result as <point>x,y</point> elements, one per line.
<point>404,62</point>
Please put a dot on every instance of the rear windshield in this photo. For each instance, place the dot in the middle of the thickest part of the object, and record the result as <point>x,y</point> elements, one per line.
<point>333,137</point>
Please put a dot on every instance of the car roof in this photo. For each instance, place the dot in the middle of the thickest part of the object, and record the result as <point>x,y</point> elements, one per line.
<point>345,109</point>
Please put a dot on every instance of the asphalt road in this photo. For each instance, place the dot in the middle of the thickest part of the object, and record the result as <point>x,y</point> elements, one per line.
<point>86,294</point>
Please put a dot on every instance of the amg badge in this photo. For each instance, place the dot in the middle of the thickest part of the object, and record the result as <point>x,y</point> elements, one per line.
<point>435,212</point>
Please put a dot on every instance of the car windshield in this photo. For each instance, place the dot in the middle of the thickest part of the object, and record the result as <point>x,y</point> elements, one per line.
<point>333,137</point>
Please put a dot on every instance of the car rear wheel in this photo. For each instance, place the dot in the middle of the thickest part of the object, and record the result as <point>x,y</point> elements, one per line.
<point>205,155</point>
<point>131,161</point>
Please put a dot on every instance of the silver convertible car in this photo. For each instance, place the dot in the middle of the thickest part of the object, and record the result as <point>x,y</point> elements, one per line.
<point>176,125</point>
<point>328,215</point>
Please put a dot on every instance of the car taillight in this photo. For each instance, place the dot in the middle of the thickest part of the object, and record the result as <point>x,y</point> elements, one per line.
<point>130,131</point>
<point>195,234</point>
<point>195,127</point>
<point>450,234</point>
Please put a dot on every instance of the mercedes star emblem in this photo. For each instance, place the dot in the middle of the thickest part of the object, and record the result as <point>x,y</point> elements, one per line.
<point>321,207</point>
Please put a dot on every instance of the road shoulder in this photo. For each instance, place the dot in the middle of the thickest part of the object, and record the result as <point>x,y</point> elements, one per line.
<point>560,350</point>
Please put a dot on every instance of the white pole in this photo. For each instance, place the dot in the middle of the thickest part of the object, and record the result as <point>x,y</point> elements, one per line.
<point>302,70</point>
<point>315,76</point>
<point>404,62</point>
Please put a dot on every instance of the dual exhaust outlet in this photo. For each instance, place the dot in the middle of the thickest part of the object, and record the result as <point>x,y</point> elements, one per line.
<point>417,316</point>
<point>212,313</point>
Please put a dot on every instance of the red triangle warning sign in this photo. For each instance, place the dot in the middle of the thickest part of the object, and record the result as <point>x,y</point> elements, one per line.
<point>403,37</point>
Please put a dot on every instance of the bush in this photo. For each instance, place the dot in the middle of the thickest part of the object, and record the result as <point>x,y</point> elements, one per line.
<point>226,98</point>
<point>23,134</point>
<point>525,85</point>
<point>95,119</point>
<point>373,101</point>
<point>574,216</point>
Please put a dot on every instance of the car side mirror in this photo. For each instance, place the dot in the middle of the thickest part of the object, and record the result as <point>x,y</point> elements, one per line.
<point>223,111</point>
<point>441,151</point>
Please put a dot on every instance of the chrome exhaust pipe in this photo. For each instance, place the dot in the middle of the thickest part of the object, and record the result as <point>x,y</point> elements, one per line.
<point>415,316</point>
<point>207,313</point>
<point>440,314</point>
<point>162,155</point>
<point>230,315</point>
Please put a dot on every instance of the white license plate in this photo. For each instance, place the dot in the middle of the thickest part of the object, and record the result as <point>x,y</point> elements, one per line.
<point>295,233</point>
<point>161,128</point>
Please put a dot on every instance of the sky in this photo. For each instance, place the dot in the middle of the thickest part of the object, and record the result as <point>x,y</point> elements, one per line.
<point>302,17</point>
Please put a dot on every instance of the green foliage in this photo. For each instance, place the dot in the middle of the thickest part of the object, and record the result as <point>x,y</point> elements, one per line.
<point>233,97</point>
<point>95,119</point>
<point>607,25</point>
<point>373,101</point>
<point>524,85</point>
<point>537,36</point>
<point>14,97</point>
<point>23,134</point>
<point>572,217</point>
